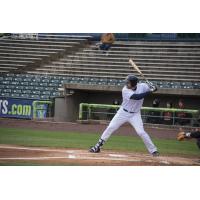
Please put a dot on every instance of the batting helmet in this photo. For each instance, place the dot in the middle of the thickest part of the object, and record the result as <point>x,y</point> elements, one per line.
<point>132,79</point>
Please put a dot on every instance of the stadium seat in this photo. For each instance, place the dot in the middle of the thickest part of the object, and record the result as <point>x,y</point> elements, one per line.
<point>26,96</point>
<point>71,59</point>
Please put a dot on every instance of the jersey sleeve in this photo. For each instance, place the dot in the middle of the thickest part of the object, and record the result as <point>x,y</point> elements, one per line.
<point>145,87</point>
<point>126,93</point>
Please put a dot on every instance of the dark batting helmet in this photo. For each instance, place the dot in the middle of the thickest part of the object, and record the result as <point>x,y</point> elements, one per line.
<point>132,79</point>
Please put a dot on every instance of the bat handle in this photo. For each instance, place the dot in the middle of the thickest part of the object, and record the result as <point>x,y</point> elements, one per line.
<point>149,83</point>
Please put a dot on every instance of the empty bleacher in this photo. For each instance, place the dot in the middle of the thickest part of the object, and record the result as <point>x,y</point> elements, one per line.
<point>51,60</point>
<point>25,54</point>
<point>19,55</point>
<point>176,63</point>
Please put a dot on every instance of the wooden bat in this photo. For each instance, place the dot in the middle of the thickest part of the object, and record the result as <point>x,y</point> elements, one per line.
<point>139,71</point>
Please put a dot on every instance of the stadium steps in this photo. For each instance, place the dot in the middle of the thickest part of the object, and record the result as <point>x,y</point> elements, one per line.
<point>48,50</point>
<point>156,76</point>
<point>55,35</point>
<point>119,57</point>
<point>150,75</point>
<point>107,76</point>
<point>147,60</point>
<point>168,66</point>
<point>147,49</point>
<point>28,55</point>
<point>49,46</point>
<point>39,42</point>
<point>104,68</point>
<point>157,43</point>
<point>72,62</point>
<point>113,53</point>
<point>128,45</point>
<point>5,48</point>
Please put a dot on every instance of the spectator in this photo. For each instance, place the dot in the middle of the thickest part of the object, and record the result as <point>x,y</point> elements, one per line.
<point>167,115</point>
<point>107,39</point>
<point>182,116</point>
<point>154,116</point>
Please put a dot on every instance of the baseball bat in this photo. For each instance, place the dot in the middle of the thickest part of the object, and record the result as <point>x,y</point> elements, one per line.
<point>139,71</point>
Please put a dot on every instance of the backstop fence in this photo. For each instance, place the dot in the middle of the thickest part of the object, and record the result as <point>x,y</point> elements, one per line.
<point>167,116</point>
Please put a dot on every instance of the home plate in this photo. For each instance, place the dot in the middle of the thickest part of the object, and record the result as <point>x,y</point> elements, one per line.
<point>164,162</point>
<point>71,156</point>
<point>118,155</point>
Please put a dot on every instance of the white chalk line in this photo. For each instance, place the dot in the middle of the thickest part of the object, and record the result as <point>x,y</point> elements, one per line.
<point>33,149</point>
<point>118,155</point>
<point>56,150</point>
<point>112,156</point>
<point>34,158</point>
<point>73,157</point>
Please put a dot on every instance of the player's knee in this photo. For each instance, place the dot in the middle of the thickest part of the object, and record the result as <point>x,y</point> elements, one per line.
<point>141,133</point>
<point>112,127</point>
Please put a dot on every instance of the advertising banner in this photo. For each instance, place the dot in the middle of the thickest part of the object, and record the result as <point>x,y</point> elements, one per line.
<point>16,108</point>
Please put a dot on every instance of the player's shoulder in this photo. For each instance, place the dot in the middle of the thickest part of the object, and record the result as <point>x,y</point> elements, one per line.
<point>124,88</point>
<point>143,85</point>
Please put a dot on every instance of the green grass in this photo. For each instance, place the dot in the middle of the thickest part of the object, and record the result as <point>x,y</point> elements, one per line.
<point>27,137</point>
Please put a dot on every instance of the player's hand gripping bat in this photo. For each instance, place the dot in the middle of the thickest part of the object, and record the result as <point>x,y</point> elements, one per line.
<point>141,74</point>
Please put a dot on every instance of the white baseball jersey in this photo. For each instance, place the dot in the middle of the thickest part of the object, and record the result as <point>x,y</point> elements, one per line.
<point>132,105</point>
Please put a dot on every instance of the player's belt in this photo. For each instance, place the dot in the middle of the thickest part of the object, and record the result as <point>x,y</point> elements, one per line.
<point>127,111</point>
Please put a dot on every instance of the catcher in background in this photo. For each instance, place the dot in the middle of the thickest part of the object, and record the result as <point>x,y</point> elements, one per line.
<point>187,135</point>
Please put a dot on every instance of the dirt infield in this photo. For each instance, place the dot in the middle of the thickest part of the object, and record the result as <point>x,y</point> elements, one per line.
<point>19,155</point>
<point>10,154</point>
<point>126,129</point>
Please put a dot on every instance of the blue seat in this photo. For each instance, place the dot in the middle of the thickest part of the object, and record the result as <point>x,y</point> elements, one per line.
<point>36,92</point>
<point>14,95</point>
<point>56,93</point>
<point>17,79</point>
<point>7,90</point>
<point>53,85</point>
<point>28,87</point>
<point>34,83</point>
<point>5,82</point>
<point>24,95</point>
<point>8,78</point>
<point>43,84</point>
<point>5,94</point>
<point>34,96</point>
<point>44,97</point>
<point>27,79</point>
<point>26,91</point>
<point>24,83</point>
<point>16,91</point>
<point>46,92</point>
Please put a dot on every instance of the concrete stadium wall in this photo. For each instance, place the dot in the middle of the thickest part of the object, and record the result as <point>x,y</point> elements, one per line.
<point>67,108</point>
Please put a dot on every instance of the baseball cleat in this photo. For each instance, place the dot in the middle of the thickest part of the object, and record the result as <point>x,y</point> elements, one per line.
<point>155,154</point>
<point>94,149</point>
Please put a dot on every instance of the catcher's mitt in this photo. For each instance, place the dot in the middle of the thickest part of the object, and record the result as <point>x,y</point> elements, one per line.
<point>181,136</point>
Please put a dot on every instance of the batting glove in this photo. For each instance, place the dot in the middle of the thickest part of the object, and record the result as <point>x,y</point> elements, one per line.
<point>153,88</point>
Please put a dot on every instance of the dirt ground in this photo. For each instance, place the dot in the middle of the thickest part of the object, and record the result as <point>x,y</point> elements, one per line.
<point>84,128</point>
<point>54,156</point>
<point>10,154</point>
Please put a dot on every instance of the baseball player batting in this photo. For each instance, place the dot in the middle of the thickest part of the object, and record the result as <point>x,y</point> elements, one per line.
<point>133,94</point>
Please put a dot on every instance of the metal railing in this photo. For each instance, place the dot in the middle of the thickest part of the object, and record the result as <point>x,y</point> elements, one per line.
<point>167,116</point>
